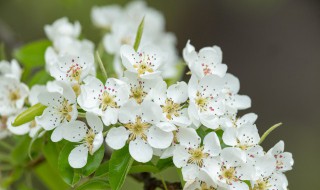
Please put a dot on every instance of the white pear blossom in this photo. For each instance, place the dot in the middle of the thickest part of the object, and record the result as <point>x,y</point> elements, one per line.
<point>172,101</point>
<point>205,104</point>
<point>61,109</point>
<point>230,169</point>
<point>145,62</point>
<point>231,98</point>
<point>139,130</point>
<point>191,156</point>
<point>104,100</point>
<point>284,159</point>
<point>73,69</point>
<point>267,178</point>
<point>90,139</point>
<point>208,61</point>
<point>238,122</point>
<point>202,182</point>
<point>244,138</point>
<point>143,89</point>
<point>32,128</point>
<point>13,95</point>
<point>62,27</point>
<point>10,69</point>
<point>105,17</point>
<point>4,132</point>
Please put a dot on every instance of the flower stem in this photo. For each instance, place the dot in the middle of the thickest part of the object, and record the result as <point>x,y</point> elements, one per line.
<point>104,72</point>
<point>265,134</point>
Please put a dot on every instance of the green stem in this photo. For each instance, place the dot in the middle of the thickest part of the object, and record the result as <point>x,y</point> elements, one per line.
<point>104,72</point>
<point>163,182</point>
<point>265,134</point>
<point>81,115</point>
<point>181,177</point>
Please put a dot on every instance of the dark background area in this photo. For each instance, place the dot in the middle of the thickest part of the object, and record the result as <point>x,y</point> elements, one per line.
<point>273,46</point>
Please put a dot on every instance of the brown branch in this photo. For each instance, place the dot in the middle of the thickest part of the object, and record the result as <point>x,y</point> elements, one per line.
<point>34,163</point>
<point>151,183</point>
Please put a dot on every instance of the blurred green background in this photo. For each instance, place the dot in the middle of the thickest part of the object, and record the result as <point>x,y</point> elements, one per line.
<point>273,46</point>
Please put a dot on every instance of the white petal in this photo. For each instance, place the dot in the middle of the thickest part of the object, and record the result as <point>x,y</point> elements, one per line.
<point>151,112</point>
<point>178,92</point>
<point>117,137</point>
<point>97,142</point>
<point>74,131</point>
<point>229,137</point>
<point>140,150</point>
<point>57,134</point>
<point>129,111</point>
<point>94,122</point>
<point>188,137</point>
<point>110,116</point>
<point>158,138</point>
<point>17,130</point>
<point>78,156</point>
<point>212,144</point>
<point>242,102</point>
<point>190,172</point>
<point>233,156</point>
<point>247,118</point>
<point>166,126</point>
<point>180,156</point>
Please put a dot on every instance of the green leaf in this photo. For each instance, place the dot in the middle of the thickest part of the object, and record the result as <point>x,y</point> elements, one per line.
<point>139,35</point>
<point>94,184</point>
<point>103,169</point>
<point>144,168</point>
<point>201,132</point>
<point>32,54</point>
<point>14,176</point>
<point>50,177</point>
<point>51,153</point>
<point>93,162</point>
<point>41,77</point>
<point>29,114</point>
<point>163,164</point>
<point>20,152</point>
<point>70,175</point>
<point>120,164</point>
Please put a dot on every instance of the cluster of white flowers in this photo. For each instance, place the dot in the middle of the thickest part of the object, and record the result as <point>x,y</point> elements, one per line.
<point>138,109</point>
<point>13,99</point>
<point>121,26</point>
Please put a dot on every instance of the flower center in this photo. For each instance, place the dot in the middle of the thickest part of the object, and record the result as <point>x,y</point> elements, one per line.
<point>171,108</point>
<point>107,100</point>
<point>14,95</point>
<point>137,129</point>
<point>89,138</point>
<point>65,110</point>
<point>197,156</point>
<point>261,185</point>
<point>74,72</point>
<point>228,175</point>
<point>138,94</point>
<point>33,124</point>
<point>76,88</point>
<point>126,40</point>
<point>144,65</point>
<point>201,102</point>
<point>205,186</point>
<point>3,124</point>
<point>206,69</point>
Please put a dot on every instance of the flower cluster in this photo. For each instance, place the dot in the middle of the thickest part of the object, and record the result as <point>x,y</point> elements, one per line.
<point>120,25</point>
<point>195,123</point>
